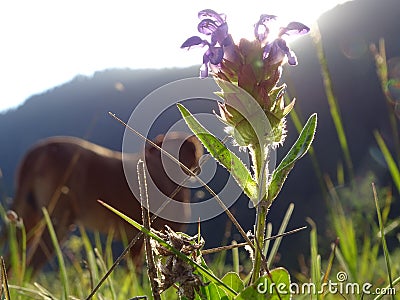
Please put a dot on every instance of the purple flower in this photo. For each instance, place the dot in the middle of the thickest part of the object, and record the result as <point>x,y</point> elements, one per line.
<point>294,28</point>
<point>214,25</point>
<point>213,55</point>
<point>277,50</point>
<point>261,29</point>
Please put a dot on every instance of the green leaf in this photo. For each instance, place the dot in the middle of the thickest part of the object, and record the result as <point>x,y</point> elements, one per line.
<point>288,108</point>
<point>222,154</point>
<point>233,280</point>
<point>264,288</point>
<point>216,292</point>
<point>297,151</point>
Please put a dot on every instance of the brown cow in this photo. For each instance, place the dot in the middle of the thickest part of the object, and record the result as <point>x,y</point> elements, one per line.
<point>67,175</point>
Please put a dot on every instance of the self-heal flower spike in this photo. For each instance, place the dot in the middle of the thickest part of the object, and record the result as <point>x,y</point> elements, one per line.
<point>253,111</point>
<point>254,66</point>
<point>214,25</point>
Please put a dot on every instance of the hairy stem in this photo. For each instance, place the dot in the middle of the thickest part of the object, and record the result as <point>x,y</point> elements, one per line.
<point>144,203</point>
<point>260,230</point>
<point>259,155</point>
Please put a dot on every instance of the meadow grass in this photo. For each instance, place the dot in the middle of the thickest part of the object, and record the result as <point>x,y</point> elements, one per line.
<point>83,260</point>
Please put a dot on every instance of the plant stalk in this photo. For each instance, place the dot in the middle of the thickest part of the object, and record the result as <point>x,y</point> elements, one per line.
<point>259,155</point>
<point>260,230</point>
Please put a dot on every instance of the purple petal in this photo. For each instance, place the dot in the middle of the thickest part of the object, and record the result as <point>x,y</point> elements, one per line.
<point>207,26</point>
<point>294,28</point>
<point>209,13</point>
<point>264,18</point>
<point>214,55</point>
<point>281,43</point>
<point>276,51</point>
<point>228,41</point>
<point>229,49</point>
<point>204,71</point>
<point>193,41</point>
<point>267,50</point>
<point>206,57</point>
<point>292,59</point>
<point>261,29</point>
<point>220,34</point>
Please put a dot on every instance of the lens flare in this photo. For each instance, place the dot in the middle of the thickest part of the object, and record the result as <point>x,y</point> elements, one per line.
<point>393,84</point>
<point>354,47</point>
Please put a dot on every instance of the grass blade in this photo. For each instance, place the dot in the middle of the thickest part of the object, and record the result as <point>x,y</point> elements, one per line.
<point>382,71</point>
<point>386,288</point>
<point>333,105</point>
<point>383,239</point>
<point>393,169</point>
<point>63,272</point>
<point>278,240</point>
<point>315,257</point>
<point>330,261</point>
<point>103,267</point>
<point>4,281</point>
<point>235,258</point>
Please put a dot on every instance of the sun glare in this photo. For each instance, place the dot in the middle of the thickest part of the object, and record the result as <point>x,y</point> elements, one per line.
<point>241,18</point>
<point>118,34</point>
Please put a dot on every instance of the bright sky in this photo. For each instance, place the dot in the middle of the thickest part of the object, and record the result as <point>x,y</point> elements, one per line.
<point>45,43</point>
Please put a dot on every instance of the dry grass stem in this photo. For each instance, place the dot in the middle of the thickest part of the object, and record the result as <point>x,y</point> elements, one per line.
<point>144,202</point>
<point>229,247</point>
